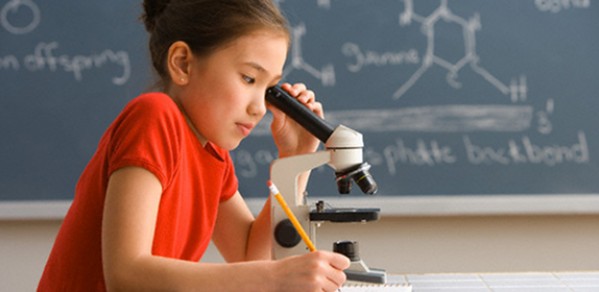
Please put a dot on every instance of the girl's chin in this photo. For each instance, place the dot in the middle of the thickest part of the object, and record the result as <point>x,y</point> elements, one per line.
<point>229,145</point>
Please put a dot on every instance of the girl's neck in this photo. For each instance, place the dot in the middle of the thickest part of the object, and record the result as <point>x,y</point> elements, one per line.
<point>195,131</point>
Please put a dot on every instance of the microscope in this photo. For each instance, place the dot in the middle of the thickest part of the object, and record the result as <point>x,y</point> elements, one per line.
<point>343,153</point>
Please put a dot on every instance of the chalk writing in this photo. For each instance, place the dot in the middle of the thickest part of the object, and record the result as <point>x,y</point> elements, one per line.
<point>555,6</point>
<point>44,58</point>
<point>544,122</point>
<point>247,164</point>
<point>17,7</point>
<point>366,58</point>
<point>526,151</point>
<point>9,62</point>
<point>434,153</point>
<point>424,153</point>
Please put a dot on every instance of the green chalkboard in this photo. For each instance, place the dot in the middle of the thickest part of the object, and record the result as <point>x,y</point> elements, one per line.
<point>469,97</point>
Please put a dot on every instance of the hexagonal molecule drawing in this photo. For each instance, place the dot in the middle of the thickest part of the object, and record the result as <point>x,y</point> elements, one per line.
<point>516,90</point>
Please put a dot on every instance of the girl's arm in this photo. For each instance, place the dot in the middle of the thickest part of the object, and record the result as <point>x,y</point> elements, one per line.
<point>240,237</point>
<point>130,213</point>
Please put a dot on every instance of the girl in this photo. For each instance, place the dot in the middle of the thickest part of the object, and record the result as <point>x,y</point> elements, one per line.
<point>161,184</point>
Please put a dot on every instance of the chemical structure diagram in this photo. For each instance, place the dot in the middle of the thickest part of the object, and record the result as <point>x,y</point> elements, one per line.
<point>516,90</point>
<point>326,75</point>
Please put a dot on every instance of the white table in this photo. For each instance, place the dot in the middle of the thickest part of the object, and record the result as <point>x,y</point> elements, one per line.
<point>502,282</point>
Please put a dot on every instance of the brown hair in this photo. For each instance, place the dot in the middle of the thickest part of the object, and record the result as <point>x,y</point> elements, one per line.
<point>204,24</point>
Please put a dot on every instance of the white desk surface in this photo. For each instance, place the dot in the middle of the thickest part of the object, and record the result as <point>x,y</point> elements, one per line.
<point>502,282</point>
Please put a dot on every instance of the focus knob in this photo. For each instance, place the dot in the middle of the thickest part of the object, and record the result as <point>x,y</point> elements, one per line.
<point>286,235</point>
<point>347,248</point>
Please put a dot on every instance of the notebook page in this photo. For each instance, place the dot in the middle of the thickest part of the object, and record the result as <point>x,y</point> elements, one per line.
<point>362,287</point>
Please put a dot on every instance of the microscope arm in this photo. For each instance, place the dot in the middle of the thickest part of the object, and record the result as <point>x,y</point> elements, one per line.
<point>284,173</point>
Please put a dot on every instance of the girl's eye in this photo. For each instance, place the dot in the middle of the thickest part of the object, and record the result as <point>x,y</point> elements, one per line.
<point>249,79</point>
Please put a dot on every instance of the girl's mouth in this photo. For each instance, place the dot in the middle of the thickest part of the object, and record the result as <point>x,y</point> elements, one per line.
<point>244,128</point>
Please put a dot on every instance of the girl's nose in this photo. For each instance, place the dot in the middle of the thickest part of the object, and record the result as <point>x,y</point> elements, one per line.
<point>258,106</point>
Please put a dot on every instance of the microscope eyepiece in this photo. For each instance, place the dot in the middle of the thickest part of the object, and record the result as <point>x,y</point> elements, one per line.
<point>361,175</point>
<point>298,112</point>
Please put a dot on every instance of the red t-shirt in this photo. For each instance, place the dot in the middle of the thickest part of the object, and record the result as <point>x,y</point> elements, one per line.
<point>152,133</point>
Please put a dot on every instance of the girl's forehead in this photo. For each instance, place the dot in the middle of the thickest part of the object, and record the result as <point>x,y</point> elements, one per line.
<point>260,44</point>
<point>260,35</point>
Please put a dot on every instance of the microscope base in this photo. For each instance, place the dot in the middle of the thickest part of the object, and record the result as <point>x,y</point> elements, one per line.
<point>372,276</point>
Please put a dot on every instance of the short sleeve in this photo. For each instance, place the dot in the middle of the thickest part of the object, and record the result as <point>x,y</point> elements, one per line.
<point>148,134</point>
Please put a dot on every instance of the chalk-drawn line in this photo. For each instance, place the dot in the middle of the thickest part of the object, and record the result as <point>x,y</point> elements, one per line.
<point>325,4</point>
<point>326,75</point>
<point>437,119</point>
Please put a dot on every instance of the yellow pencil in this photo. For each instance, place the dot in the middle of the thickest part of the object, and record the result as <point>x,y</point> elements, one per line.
<point>298,227</point>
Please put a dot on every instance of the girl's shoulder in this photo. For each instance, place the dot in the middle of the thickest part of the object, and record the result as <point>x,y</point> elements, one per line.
<point>152,107</point>
<point>148,112</point>
<point>153,101</point>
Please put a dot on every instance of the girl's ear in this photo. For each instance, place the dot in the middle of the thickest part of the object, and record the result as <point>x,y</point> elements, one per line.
<point>178,62</point>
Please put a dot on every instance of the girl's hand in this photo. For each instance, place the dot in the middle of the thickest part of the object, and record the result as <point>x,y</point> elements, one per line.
<point>290,137</point>
<point>315,271</point>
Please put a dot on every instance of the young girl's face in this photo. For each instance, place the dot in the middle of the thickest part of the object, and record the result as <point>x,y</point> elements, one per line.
<point>224,99</point>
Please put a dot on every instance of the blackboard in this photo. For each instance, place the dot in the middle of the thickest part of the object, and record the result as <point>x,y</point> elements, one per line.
<point>468,98</point>
<point>66,68</point>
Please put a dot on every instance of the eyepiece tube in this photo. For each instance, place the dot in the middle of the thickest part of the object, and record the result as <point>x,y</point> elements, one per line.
<point>298,112</point>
